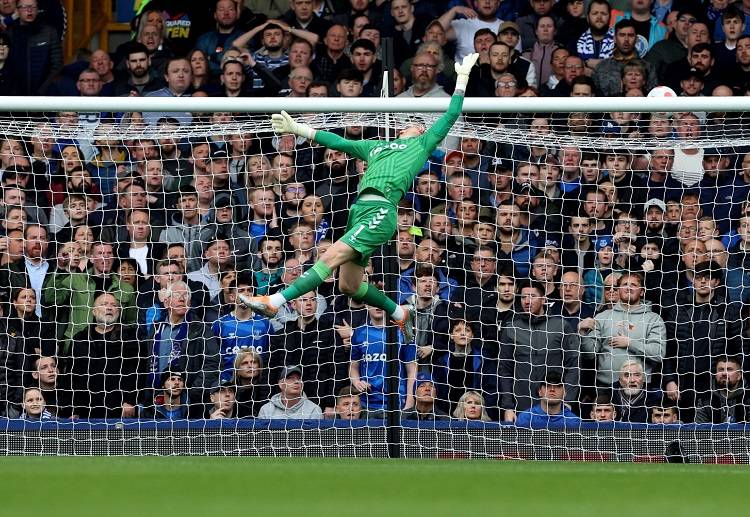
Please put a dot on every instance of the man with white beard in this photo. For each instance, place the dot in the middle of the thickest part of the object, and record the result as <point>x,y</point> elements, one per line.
<point>630,397</point>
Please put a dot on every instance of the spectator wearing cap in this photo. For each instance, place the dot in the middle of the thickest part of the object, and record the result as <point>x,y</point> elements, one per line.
<point>691,83</point>
<point>223,401</point>
<point>462,367</point>
<point>522,362</point>
<point>462,30</point>
<point>222,222</point>
<point>170,401</point>
<point>629,330</point>
<point>608,71</point>
<point>36,55</point>
<point>425,408</point>
<point>701,326</point>
<point>510,34</point>
<point>728,401</point>
<point>308,340</point>
<point>500,180</point>
<point>593,277</point>
<point>551,410</point>
<point>291,401</point>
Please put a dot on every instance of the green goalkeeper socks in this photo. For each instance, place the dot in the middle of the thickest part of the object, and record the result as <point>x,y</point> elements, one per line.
<point>309,281</point>
<point>371,295</point>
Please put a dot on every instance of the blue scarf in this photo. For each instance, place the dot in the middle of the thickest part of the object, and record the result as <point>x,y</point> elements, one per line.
<point>179,345</point>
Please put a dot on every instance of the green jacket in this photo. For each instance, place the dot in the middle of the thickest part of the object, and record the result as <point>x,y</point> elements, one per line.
<point>75,292</point>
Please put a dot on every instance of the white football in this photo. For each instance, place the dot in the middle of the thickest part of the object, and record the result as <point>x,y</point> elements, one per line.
<point>662,91</point>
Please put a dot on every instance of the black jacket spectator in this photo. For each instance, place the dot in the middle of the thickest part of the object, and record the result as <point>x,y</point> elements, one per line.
<point>35,57</point>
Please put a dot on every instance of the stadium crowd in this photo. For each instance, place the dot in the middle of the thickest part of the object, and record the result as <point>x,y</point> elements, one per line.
<point>551,283</point>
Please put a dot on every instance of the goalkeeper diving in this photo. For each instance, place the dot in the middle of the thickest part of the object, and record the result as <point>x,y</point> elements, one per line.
<point>392,167</point>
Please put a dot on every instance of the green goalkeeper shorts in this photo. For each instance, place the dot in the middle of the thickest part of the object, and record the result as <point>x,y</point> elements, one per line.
<point>371,224</point>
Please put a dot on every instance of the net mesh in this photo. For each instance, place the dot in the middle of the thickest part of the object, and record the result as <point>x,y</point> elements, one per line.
<point>595,260</point>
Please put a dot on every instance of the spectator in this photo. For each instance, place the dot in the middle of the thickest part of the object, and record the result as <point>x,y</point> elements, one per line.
<point>727,401</point>
<point>179,343</point>
<point>140,78</point>
<point>521,366</point>
<point>330,58</point>
<point>462,30</point>
<point>106,365</point>
<point>367,368</point>
<point>471,407</point>
<point>629,330</point>
<point>36,55</point>
<point>216,259</point>
<point>77,290</point>
<point>551,410</point>
<point>692,351</point>
<point>603,410</point>
<point>425,408</point>
<point>665,413</point>
<point>177,74</point>
<point>55,388</point>
<point>431,320</point>
<point>223,400</point>
<point>170,401</point>
<point>291,401</point>
<point>348,405</point>
<point>630,395</point>
<point>251,381</point>
<point>608,71</point>
<point>214,43</point>
<point>34,406</point>
<point>241,329</point>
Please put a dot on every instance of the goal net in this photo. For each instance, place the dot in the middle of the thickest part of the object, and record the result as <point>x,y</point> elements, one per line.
<point>579,282</point>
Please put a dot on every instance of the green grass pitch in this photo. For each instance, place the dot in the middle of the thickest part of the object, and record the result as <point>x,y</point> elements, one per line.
<point>220,487</point>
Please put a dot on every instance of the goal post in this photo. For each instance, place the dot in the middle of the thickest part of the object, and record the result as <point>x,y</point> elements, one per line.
<point>577,265</point>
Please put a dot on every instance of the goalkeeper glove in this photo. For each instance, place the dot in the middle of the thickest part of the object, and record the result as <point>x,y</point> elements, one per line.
<point>283,123</point>
<point>464,69</point>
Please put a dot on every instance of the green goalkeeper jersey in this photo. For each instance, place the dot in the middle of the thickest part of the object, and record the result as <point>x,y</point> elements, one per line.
<point>392,166</point>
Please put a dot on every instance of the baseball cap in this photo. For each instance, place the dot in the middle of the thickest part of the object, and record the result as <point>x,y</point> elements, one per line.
<point>692,72</point>
<point>553,377</point>
<point>289,370</point>
<point>169,374</point>
<point>422,378</point>
<point>225,384</point>
<point>505,26</point>
<point>603,242</point>
<point>222,201</point>
<point>708,268</point>
<point>453,153</point>
<point>219,153</point>
<point>655,202</point>
<point>502,163</point>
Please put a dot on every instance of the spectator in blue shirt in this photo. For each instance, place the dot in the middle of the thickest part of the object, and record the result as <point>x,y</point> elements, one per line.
<point>368,365</point>
<point>550,411</point>
<point>241,329</point>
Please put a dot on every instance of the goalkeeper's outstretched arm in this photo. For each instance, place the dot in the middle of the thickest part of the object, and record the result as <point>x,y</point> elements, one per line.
<point>440,129</point>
